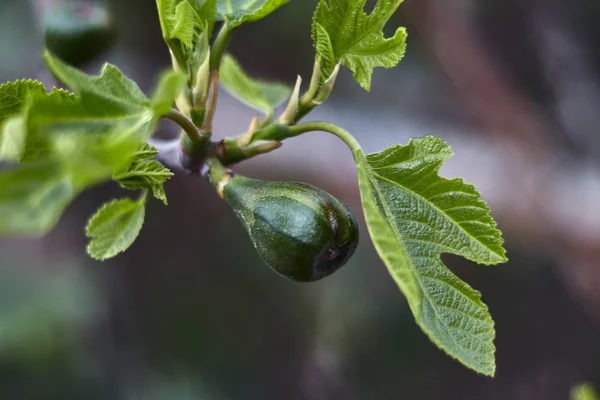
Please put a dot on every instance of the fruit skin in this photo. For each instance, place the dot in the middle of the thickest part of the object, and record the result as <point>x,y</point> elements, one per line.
<point>78,31</point>
<point>300,231</point>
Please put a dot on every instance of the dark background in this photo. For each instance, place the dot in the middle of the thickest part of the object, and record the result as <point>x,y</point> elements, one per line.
<point>191,312</point>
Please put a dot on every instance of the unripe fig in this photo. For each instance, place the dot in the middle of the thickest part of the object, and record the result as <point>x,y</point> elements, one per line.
<point>300,231</point>
<point>77,31</point>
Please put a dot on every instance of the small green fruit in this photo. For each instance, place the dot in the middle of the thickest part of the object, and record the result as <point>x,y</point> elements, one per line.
<point>78,31</point>
<point>301,231</point>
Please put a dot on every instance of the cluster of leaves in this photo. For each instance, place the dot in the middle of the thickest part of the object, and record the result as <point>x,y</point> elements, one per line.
<point>67,142</point>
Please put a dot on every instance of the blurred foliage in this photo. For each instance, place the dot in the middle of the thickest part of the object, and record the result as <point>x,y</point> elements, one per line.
<point>43,318</point>
<point>585,391</point>
<point>187,315</point>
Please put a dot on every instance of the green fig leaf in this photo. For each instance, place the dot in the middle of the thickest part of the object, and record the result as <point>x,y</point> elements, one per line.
<point>47,119</point>
<point>144,152</point>
<point>109,105</point>
<point>343,33</point>
<point>33,197</point>
<point>111,85</point>
<point>34,194</point>
<point>184,24</point>
<point>322,43</point>
<point>71,143</point>
<point>260,95</point>
<point>158,191</point>
<point>114,227</point>
<point>237,12</point>
<point>145,175</point>
<point>15,98</point>
<point>181,19</point>
<point>414,216</point>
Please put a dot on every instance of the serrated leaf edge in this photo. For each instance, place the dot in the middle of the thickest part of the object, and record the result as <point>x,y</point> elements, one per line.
<point>97,215</point>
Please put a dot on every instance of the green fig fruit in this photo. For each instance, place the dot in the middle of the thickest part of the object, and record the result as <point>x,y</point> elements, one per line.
<point>78,31</point>
<point>300,231</point>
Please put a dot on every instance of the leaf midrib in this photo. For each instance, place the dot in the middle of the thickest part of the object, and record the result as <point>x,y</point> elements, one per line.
<point>133,209</point>
<point>439,211</point>
<point>390,216</point>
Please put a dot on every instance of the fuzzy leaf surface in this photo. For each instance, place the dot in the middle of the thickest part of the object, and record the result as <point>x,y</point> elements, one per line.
<point>180,19</point>
<point>414,216</point>
<point>111,85</point>
<point>15,98</point>
<point>114,227</point>
<point>33,197</point>
<point>355,38</point>
<point>144,152</point>
<point>109,105</point>
<point>143,175</point>
<point>237,12</point>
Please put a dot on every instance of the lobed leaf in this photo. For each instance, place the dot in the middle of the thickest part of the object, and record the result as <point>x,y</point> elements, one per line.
<point>110,105</point>
<point>70,143</point>
<point>179,19</point>
<point>48,120</point>
<point>237,12</point>
<point>114,227</point>
<point>260,95</point>
<point>343,31</point>
<point>111,85</point>
<point>145,174</point>
<point>414,216</point>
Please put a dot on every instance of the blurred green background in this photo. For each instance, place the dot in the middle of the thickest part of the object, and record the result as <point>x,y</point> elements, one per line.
<point>191,312</point>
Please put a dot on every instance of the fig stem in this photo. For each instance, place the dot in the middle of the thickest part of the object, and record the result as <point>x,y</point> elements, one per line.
<point>219,46</point>
<point>211,106</point>
<point>186,124</point>
<point>328,127</point>
<point>217,174</point>
<point>230,152</point>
